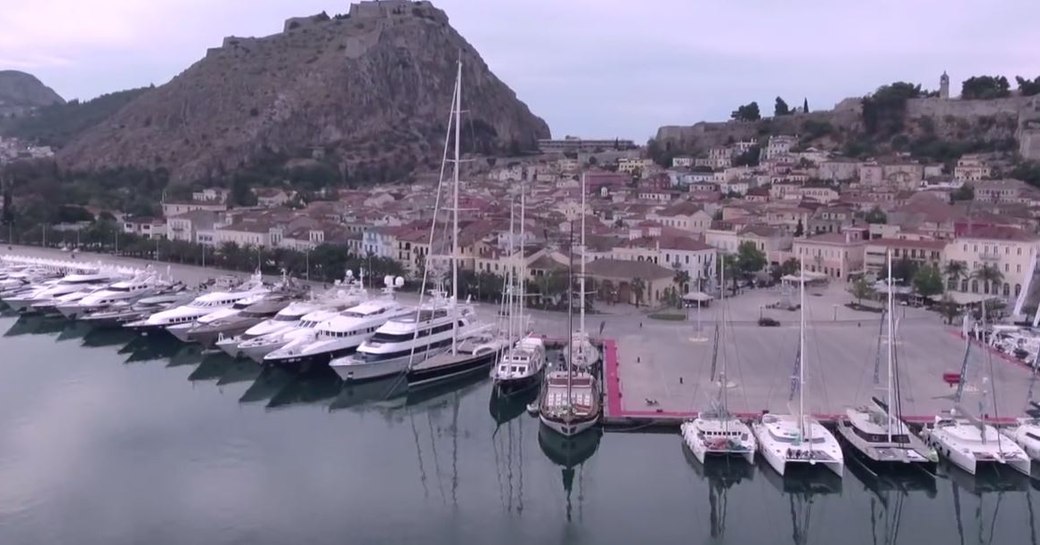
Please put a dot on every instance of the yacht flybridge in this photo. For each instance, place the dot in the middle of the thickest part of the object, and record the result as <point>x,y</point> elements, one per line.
<point>875,431</point>
<point>798,439</point>
<point>717,432</point>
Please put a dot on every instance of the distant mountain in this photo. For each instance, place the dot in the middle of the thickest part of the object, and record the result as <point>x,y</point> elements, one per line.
<point>367,92</point>
<point>59,123</point>
<point>21,93</point>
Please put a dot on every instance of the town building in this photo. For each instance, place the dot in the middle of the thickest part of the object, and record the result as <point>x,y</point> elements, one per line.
<point>837,255</point>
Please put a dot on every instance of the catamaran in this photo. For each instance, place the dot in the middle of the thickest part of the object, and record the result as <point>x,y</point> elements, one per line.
<point>785,439</point>
<point>964,439</point>
<point>876,432</point>
<point>717,432</point>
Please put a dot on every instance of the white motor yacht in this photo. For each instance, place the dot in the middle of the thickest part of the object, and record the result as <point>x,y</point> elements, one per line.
<point>968,443</point>
<point>142,285</point>
<point>123,312</point>
<point>183,331</point>
<point>301,335</point>
<point>286,319</point>
<point>71,283</point>
<point>403,341</point>
<point>785,439</point>
<point>200,306</point>
<point>1027,436</point>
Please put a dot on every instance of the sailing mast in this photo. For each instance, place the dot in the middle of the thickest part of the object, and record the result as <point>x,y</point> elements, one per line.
<point>801,352</point>
<point>510,276</point>
<point>721,341</point>
<point>891,353</point>
<point>522,276</point>
<point>581,279</point>
<point>455,211</point>
<point>570,317</point>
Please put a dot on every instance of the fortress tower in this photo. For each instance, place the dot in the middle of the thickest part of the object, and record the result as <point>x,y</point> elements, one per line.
<point>944,86</point>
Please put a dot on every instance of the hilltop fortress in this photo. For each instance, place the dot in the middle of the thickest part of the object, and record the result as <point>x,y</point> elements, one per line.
<point>952,118</point>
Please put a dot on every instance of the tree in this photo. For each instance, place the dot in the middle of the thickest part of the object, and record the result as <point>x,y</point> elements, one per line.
<point>747,112</point>
<point>963,193</point>
<point>985,88</point>
<point>790,266</point>
<point>680,277</point>
<point>954,271</point>
<point>989,275</point>
<point>638,289</point>
<point>885,110</point>
<point>1028,88</point>
<point>799,229</point>
<point>781,108</point>
<point>876,216</point>
<point>928,281</point>
<point>904,270</point>
<point>749,158</point>
<point>948,309</point>
<point>750,259</point>
<point>805,105</point>
<point>861,289</point>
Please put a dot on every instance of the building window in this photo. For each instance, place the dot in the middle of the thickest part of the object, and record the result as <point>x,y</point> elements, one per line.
<point>1018,289</point>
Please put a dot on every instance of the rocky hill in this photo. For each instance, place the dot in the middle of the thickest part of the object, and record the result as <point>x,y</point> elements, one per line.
<point>368,91</point>
<point>21,93</point>
<point>57,124</point>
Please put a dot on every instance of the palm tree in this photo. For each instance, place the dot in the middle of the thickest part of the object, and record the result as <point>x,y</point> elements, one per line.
<point>989,275</point>
<point>681,278</point>
<point>954,271</point>
<point>638,289</point>
<point>948,309</point>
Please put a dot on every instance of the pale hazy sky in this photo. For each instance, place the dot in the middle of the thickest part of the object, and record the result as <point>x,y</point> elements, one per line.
<point>596,68</point>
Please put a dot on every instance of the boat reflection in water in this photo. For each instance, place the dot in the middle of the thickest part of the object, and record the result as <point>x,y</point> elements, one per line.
<point>212,367</point>
<point>240,370</point>
<point>570,453</point>
<point>142,349</point>
<point>889,490</point>
<point>35,325</point>
<point>361,394</point>
<point>269,382</point>
<point>722,473</point>
<point>991,489</point>
<point>97,338</point>
<point>802,485</point>
<point>317,386</point>
<point>73,330</point>
<point>186,354</point>
<point>509,405</point>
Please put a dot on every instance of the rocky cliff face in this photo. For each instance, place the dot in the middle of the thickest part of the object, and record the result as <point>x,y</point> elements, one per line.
<point>369,90</point>
<point>21,92</point>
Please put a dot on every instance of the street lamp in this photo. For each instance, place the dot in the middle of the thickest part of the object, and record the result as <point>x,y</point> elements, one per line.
<point>307,258</point>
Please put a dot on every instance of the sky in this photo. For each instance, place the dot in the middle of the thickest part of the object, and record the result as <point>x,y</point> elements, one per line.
<point>591,68</point>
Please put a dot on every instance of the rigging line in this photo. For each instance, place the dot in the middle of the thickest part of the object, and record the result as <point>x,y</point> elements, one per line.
<point>418,451</point>
<point>436,462</point>
<point>498,467</point>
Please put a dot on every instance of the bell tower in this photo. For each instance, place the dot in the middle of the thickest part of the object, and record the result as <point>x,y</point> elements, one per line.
<point>944,86</point>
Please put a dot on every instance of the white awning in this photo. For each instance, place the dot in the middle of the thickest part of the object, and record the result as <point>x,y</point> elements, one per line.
<point>697,296</point>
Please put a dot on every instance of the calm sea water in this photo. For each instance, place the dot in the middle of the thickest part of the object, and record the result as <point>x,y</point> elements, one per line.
<point>110,439</point>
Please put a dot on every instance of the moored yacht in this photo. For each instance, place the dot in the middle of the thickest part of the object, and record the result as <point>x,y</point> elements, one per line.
<point>1027,435</point>
<point>968,442</point>
<point>71,283</point>
<point>184,331</point>
<point>207,333</point>
<point>570,402</point>
<point>303,333</point>
<point>200,306</point>
<point>341,335</point>
<point>876,432</point>
<point>286,319</point>
<point>718,432</point>
<point>140,286</point>
<point>123,312</point>
<point>786,439</point>
<point>521,365</point>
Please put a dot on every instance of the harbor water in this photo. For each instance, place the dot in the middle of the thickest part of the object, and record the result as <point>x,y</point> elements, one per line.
<point>107,438</point>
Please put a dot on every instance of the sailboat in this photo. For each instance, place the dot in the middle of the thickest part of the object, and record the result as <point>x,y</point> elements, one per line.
<point>1027,433</point>
<point>799,438</point>
<point>876,432</point>
<point>570,401</point>
<point>580,351</point>
<point>717,432</point>
<point>473,346</point>
<point>522,364</point>
<point>965,440</point>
